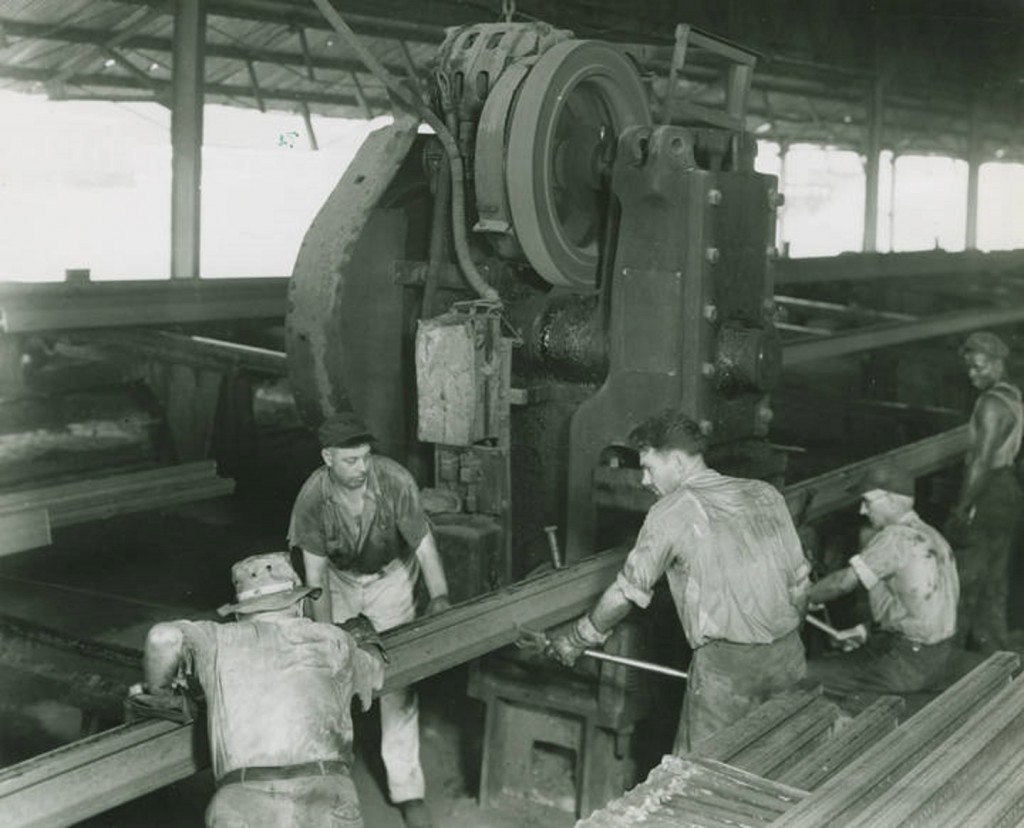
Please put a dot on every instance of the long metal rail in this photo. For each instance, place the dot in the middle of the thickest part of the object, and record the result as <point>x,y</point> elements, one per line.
<point>87,777</point>
<point>26,308</point>
<point>896,333</point>
<point>849,267</point>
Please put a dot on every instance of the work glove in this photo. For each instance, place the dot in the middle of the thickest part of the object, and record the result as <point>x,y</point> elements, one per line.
<point>366,637</point>
<point>567,647</point>
<point>172,707</point>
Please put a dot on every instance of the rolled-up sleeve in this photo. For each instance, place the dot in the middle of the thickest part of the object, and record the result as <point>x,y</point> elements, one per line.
<point>647,561</point>
<point>409,515</point>
<point>884,555</point>
<point>306,528</point>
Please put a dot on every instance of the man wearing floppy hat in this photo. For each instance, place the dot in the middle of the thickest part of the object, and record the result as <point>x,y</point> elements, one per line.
<point>365,539</point>
<point>910,575</point>
<point>278,689</point>
<point>984,522</point>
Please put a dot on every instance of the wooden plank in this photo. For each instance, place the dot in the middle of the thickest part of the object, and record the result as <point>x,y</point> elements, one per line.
<point>859,734</point>
<point>782,746</point>
<point>23,530</point>
<point>67,785</point>
<point>889,759</point>
<point>725,745</point>
<point>981,744</point>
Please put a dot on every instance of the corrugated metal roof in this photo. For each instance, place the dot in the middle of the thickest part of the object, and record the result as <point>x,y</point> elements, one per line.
<point>84,49</point>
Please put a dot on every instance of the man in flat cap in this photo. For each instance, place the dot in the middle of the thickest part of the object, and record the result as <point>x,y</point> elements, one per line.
<point>908,570</point>
<point>984,521</point>
<point>365,539</point>
<point>279,689</point>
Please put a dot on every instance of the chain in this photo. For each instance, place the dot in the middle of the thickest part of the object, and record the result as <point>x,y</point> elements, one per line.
<point>508,10</point>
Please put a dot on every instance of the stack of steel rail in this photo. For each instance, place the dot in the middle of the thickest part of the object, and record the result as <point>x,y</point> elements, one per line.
<point>786,764</point>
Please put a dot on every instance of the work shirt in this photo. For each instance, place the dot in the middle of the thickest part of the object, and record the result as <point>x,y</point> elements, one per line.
<point>391,526</point>
<point>278,692</point>
<point>911,579</point>
<point>1006,453</point>
<point>734,564</point>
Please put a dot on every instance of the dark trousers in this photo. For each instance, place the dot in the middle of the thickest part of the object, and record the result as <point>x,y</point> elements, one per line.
<point>982,553</point>
<point>887,663</point>
<point>727,681</point>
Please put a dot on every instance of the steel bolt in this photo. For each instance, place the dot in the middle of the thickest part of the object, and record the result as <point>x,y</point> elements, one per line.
<point>771,252</point>
<point>710,312</point>
<point>712,255</point>
<point>776,199</point>
<point>705,427</point>
<point>708,369</point>
<point>714,197</point>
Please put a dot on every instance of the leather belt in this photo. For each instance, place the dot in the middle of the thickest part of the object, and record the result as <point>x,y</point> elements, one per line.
<point>324,767</point>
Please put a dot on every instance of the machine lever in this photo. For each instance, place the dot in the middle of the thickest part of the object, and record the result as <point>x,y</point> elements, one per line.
<point>540,640</point>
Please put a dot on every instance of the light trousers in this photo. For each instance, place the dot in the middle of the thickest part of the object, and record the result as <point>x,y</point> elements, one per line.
<point>386,598</point>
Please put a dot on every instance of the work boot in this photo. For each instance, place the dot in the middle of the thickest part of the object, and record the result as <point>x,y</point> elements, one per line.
<point>416,814</point>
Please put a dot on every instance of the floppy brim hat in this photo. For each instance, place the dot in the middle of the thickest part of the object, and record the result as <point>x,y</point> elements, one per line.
<point>269,602</point>
<point>264,583</point>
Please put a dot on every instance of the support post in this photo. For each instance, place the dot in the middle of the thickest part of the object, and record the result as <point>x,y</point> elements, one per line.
<point>973,171</point>
<point>187,135</point>
<point>307,119</point>
<point>874,151</point>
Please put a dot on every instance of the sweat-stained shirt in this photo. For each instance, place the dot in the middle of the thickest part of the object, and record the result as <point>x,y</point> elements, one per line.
<point>910,575</point>
<point>734,564</point>
<point>278,693</point>
<point>391,526</point>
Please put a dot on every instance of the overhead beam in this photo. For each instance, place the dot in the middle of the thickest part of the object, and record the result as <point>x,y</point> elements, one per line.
<point>187,92</point>
<point>28,308</point>
<point>304,14</point>
<point>101,81</point>
<point>886,335</point>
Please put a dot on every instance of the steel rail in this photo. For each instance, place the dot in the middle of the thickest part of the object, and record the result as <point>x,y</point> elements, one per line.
<point>27,307</point>
<point>885,335</point>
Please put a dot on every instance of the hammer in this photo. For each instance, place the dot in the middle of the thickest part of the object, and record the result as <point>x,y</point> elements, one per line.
<point>541,640</point>
<point>844,637</point>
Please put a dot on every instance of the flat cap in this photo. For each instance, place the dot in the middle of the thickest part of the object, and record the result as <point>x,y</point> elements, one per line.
<point>344,431</point>
<point>985,342</point>
<point>888,478</point>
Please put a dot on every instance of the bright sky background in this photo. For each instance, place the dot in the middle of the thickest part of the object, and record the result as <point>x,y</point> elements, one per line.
<point>87,185</point>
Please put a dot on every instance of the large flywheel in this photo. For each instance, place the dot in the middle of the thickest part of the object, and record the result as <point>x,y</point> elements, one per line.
<point>559,129</point>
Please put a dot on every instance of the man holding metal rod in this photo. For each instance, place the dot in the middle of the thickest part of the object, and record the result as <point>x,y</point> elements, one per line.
<point>907,568</point>
<point>736,571</point>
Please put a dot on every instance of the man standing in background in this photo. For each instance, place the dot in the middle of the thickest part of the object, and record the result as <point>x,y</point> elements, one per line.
<point>365,540</point>
<point>984,521</point>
